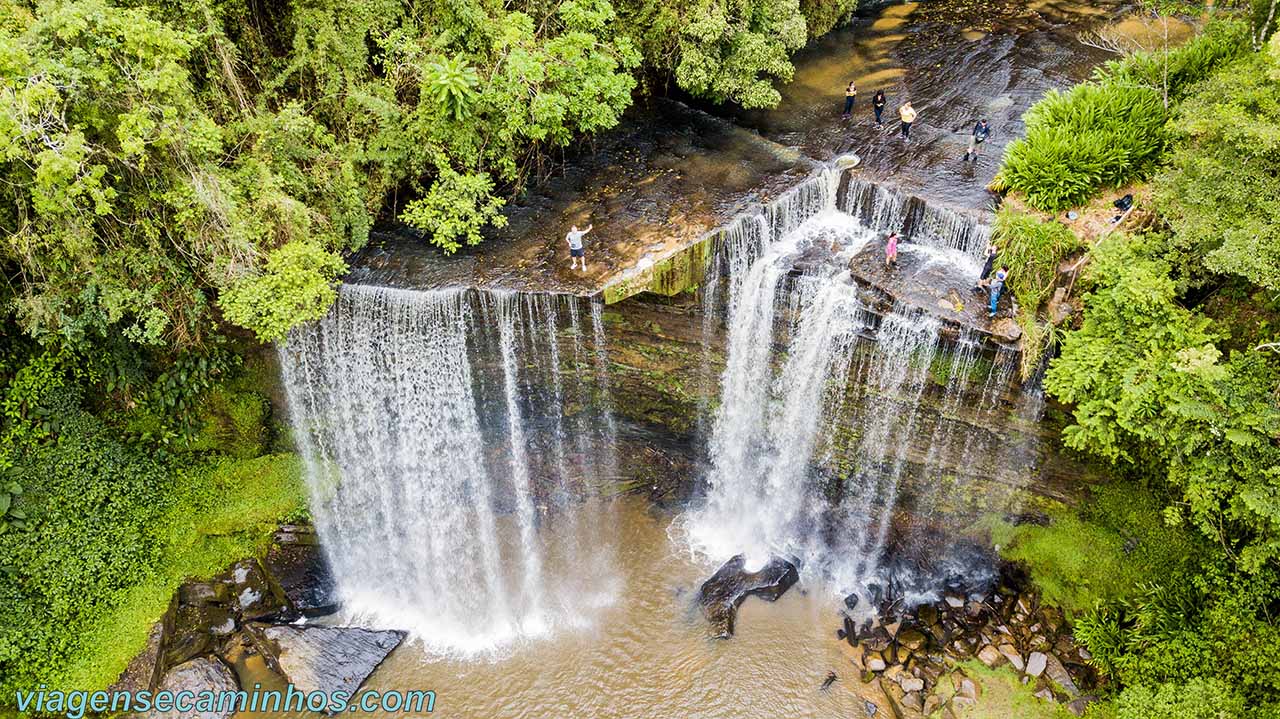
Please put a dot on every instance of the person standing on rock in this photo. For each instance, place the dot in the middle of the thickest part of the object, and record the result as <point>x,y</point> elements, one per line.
<point>576,249</point>
<point>997,284</point>
<point>877,103</point>
<point>992,251</point>
<point>981,132</point>
<point>907,114</point>
<point>891,251</point>
<point>850,94</point>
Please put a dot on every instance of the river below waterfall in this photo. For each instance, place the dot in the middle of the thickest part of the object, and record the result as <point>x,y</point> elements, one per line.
<point>641,648</point>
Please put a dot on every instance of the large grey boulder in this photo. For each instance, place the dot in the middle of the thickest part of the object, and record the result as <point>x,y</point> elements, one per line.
<point>200,675</point>
<point>721,595</point>
<point>315,658</point>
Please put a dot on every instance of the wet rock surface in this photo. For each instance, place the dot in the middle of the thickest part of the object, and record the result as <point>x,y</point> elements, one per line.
<point>217,630</point>
<point>203,674</point>
<point>914,653</point>
<point>298,565</point>
<point>317,658</point>
<point>722,594</point>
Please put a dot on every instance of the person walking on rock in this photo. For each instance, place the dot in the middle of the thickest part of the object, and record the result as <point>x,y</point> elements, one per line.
<point>907,114</point>
<point>981,132</point>
<point>997,284</point>
<point>850,94</point>
<point>891,251</point>
<point>576,249</point>
<point>877,103</point>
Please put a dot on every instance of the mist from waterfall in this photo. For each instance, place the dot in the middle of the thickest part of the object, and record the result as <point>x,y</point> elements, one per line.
<point>821,396</point>
<point>441,450</point>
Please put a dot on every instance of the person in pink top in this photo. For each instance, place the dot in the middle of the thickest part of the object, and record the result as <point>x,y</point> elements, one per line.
<point>891,251</point>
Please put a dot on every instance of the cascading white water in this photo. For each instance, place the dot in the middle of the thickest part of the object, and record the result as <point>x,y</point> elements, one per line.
<point>417,412</point>
<point>888,209</point>
<point>797,348</point>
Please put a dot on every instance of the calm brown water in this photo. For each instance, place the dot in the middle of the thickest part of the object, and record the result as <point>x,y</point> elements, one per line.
<point>644,652</point>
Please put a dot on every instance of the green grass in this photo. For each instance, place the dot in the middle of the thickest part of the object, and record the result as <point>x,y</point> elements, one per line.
<point>227,509</point>
<point>1099,553</point>
<point>1005,697</point>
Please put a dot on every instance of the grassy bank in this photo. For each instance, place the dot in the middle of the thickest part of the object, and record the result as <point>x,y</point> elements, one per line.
<point>120,496</point>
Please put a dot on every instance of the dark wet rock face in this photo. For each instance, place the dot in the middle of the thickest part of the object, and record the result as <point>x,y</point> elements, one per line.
<point>331,659</point>
<point>203,674</point>
<point>298,565</point>
<point>724,592</point>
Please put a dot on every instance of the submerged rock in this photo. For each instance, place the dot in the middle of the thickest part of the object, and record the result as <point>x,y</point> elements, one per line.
<point>721,595</point>
<point>331,659</point>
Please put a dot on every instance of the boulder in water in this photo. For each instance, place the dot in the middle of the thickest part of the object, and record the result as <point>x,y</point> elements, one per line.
<point>722,594</point>
<point>316,658</point>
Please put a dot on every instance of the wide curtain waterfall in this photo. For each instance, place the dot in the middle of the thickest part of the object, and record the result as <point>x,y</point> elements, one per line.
<point>828,407</point>
<point>446,434</point>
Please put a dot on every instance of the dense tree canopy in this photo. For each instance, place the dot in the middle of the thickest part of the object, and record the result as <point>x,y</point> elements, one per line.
<point>173,164</point>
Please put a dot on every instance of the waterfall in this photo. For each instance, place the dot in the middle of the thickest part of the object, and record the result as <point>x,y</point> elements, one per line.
<point>889,209</point>
<point>822,397</point>
<point>438,453</point>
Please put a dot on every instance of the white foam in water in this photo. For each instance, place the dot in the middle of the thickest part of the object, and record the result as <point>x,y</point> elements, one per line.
<point>413,411</point>
<point>794,346</point>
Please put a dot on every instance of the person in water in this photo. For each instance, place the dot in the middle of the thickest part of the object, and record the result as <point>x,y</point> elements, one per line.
<point>877,103</point>
<point>850,94</point>
<point>992,251</point>
<point>576,249</point>
<point>891,251</point>
<point>981,132</point>
<point>997,284</point>
<point>907,114</point>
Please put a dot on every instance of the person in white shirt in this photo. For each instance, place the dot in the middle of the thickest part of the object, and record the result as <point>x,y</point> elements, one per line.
<point>576,249</point>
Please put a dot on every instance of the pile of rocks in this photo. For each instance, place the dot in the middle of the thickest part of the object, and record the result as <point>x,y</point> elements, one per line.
<point>235,630</point>
<point>914,654</point>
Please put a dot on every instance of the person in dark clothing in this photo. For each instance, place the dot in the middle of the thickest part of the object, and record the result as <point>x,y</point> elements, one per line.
<point>878,102</point>
<point>992,252</point>
<point>981,132</point>
<point>850,94</point>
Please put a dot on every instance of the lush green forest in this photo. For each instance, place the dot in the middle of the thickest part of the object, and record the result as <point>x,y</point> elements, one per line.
<point>181,178</point>
<point>1170,370</point>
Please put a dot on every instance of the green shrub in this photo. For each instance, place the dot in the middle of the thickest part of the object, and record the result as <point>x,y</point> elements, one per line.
<point>1100,553</point>
<point>1110,132</point>
<point>1087,138</point>
<point>1219,190</point>
<point>1197,699</point>
<point>1176,71</point>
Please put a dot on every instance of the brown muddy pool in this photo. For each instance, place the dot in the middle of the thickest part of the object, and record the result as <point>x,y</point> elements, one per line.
<point>642,649</point>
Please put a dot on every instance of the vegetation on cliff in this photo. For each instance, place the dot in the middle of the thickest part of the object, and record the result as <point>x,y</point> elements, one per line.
<point>1173,379</point>
<point>172,165</point>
